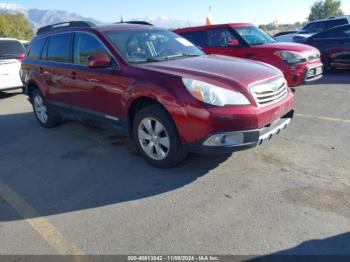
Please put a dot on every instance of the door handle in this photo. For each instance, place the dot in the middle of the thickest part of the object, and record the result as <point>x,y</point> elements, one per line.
<point>73,75</point>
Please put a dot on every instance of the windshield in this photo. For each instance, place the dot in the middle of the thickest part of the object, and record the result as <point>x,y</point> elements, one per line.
<point>313,28</point>
<point>253,35</point>
<point>10,49</point>
<point>141,46</point>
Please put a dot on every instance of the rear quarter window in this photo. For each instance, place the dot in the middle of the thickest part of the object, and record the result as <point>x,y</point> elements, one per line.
<point>199,38</point>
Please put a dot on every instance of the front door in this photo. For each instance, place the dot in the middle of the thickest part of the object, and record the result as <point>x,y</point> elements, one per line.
<point>95,91</point>
<point>218,43</point>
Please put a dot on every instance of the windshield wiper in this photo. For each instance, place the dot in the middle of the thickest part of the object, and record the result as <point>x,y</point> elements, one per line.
<point>190,55</point>
<point>165,58</point>
<point>148,60</point>
<point>180,56</point>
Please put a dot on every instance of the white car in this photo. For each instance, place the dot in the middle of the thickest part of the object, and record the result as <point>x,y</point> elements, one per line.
<point>11,55</point>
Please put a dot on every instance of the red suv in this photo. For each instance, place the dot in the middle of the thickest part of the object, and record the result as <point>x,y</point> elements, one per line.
<point>299,63</point>
<point>155,86</point>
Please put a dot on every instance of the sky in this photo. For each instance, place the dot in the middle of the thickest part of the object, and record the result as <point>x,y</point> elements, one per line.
<point>223,11</point>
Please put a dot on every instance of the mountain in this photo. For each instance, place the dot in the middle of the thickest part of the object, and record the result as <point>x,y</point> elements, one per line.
<point>12,8</point>
<point>167,22</point>
<point>39,18</point>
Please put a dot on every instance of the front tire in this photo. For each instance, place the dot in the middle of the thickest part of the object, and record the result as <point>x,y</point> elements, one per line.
<point>156,137</point>
<point>42,112</point>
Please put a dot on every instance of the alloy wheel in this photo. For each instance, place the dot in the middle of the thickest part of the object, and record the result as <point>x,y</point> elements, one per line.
<point>153,138</point>
<point>40,109</point>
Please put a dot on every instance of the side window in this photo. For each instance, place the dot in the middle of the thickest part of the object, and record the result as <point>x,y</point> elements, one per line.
<point>334,23</point>
<point>333,33</point>
<point>198,38</point>
<point>219,37</point>
<point>86,45</point>
<point>315,27</point>
<point>36,48</point>
<point>58,48</point>
<point>347,31</point>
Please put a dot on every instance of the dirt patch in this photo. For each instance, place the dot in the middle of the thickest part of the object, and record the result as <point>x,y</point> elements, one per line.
<point>323,199</point>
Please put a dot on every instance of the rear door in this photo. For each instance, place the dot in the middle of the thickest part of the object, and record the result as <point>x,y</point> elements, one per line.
<point>55,68</point>
<point>11,51</point>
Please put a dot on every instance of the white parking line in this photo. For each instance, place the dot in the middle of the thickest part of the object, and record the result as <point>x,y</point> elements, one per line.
<point>347,121</point>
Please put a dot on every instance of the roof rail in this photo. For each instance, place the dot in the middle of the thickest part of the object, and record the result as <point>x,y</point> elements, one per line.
<point>135,22</point>
<point>49,28</point>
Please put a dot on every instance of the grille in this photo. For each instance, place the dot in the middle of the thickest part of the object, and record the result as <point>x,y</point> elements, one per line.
<point>269,92</point>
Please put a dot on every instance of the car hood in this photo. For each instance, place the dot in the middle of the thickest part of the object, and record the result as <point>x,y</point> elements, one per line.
<point>295,47</point>
<point>301,38</point>
<point>228,72</point>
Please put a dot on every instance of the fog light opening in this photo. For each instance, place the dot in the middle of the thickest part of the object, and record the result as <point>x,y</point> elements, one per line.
<point>226,139</point>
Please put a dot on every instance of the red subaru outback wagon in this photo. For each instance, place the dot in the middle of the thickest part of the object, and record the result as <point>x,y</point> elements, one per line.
<point>299,63</point>
<point>155,86</point>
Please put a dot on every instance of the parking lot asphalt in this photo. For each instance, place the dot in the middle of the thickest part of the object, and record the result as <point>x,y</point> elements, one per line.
<point>77,189</point>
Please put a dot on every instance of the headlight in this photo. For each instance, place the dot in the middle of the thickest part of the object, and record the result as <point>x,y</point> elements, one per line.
<point>212,94</point>
<point>291,57</point>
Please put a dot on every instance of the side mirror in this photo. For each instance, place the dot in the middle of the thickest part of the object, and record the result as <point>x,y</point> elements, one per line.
<point>99,61</point>
<point>233,43</point>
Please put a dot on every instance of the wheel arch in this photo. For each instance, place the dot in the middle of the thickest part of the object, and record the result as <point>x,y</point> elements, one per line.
<point>31,86</point>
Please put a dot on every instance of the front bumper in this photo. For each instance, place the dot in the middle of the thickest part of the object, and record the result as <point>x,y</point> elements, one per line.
<point>245,139</point>
<point>313,73</point>
<point>300,74</point>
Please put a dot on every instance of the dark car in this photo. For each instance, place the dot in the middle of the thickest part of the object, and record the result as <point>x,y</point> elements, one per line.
<point>312,28</point>
<point>155,86</point>
<point>334,45</point>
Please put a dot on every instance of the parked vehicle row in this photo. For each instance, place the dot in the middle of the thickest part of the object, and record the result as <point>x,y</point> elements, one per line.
<point>299,63</point>
<point>313,28</point>
<point>155,86</point>
<point>334,45</point>
<point>331,36</point>
<point>11,54</point>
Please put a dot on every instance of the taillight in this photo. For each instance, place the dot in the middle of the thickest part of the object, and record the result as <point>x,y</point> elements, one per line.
<point>20,57</point>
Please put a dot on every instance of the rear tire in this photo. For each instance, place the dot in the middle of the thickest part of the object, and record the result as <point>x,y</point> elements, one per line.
<point>42,111</point>
<point>156,137</point>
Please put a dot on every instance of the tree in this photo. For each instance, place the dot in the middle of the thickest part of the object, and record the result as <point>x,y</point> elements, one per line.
<point>16,26</point>
<point>324,9</point>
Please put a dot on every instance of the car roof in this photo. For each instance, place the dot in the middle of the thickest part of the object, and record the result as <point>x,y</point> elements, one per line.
<point>332,18</point>
<point>123,26</point>
<point>86,26</point>
<point>205,27</point>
